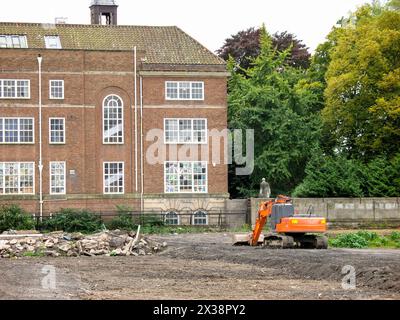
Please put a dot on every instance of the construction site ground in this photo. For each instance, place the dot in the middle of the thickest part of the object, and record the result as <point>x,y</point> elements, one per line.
<point>207,266</point>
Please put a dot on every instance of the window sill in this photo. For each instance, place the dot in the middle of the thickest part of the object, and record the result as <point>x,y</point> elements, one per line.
<point>17,143</point>
<point>186,143</point>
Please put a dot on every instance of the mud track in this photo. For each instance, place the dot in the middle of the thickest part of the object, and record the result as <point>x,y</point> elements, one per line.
<point>206,266</point>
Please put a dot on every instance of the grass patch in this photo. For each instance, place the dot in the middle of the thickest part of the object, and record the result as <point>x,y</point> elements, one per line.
<point>366,239</point>
<point>34,254</point>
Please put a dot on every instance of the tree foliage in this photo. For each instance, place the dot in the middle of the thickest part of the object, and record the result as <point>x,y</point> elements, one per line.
<point>330,128</point>
<point>267,98</point>
<point>362,111</point>
<point>244,47</point>
<point>336,176</point>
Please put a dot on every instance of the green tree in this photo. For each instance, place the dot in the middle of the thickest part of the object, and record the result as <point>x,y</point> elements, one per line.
<point>329,176</point>
<point>269,99</point>
<point>362,112</point>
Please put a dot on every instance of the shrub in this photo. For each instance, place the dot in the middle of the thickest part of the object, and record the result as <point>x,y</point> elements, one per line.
<point>368,235</point>
<point>123,221</point>
<point>350,240</point>
<point>15,218</point>
<point>71,220</point>
<point>395,236</point>
<point>152,220</point>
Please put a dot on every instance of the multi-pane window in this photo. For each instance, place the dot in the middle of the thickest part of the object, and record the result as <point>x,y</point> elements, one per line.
<point>16,178</point>
<point>52,42</point>
<point>185,131</point>
<point>16,130</point>
<point>113,123</point>
<point>184,90</point>
<point>171,218</point>
<point>13,41</point>
<point>14,89</point>
<point>57,130</point>
<point>113,177</point>
<point>57,178</point>
<point>56,89</point>
<point>185,177</point>
<point>200,218</point>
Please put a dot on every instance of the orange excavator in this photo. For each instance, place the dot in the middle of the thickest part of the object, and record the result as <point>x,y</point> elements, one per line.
<point>288,230</point>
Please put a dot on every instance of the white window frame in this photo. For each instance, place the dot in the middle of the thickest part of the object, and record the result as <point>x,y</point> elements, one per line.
<point>18,130</point>
<point>51,86</point>
<point>56,118</point>
<point>9,41</point>
<point>178,163</point>
<point>51,175</point>
<point>122,118</point>
<point>19,178</point>
<point>178,218</point>
<point>15,89</point>
<point>104,177</point>
<point>178,87</point>
<point>47,40</point>
<point>194,218</point>
<point>192,131</point>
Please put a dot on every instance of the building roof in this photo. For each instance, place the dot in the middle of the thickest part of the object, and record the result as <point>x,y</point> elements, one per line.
<point>162,45</point>
<point>103,2</point>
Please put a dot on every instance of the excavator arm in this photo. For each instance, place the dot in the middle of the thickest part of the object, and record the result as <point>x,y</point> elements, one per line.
<point>264,211</point>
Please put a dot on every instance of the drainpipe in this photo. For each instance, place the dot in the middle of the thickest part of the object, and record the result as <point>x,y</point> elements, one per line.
<point>39,58</point>
<point>136,137</point>
<point>141,147</point>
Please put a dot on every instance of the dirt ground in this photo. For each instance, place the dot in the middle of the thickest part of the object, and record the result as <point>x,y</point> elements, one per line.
<point>207,266</point>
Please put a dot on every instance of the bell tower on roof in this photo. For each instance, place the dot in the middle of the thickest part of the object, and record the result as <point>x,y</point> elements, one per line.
<point>104,12</point>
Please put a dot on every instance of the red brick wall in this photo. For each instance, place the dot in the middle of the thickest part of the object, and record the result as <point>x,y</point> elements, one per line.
<point>89,77</point>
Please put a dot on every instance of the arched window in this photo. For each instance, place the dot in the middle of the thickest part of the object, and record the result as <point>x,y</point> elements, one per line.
<point>200,218</point>
<point>171,218</point>
<point>113,120</point>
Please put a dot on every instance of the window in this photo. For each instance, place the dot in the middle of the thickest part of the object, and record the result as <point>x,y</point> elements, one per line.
<point>57,130</point>
<point>52,42</point>
<point>57,178</point>
<point>185,131</point>
<point>200,218</point>
<point>185,177</point>
<point>171,218</point>
<point>16,130</point>
<point>184,90</point>
<point>13,41</point>
<point>56,89</point>
<point>113,124</point>
<point>16,178</point>
<point>14,89</point>
<point>114,177</point>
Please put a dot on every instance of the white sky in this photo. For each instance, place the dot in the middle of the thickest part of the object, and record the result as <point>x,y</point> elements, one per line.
<point>208,21</point>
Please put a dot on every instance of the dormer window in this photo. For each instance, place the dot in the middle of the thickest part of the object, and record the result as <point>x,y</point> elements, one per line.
<point>13,41</point>
<point>52,42</point>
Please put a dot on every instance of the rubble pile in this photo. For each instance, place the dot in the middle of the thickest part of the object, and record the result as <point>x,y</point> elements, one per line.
<point>56,244</point>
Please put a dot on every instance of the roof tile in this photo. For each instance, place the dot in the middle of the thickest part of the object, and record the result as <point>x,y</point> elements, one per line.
<point>163,45</point>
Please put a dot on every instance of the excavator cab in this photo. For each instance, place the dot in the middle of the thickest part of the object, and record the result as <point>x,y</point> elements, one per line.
<point>286,229</point>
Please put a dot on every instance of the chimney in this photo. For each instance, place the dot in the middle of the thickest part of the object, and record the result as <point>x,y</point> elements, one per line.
<point>103,12</point>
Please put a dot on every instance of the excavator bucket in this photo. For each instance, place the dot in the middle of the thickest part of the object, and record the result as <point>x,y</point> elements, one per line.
<point>243,239</point>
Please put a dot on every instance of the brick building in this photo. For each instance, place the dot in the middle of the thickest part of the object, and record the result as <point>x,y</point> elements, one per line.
<point>82,102</point>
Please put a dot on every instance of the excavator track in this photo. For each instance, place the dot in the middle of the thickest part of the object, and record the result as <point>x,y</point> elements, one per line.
<point>312,242</point>
<point>278,241</point>
<point>274,241</point>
